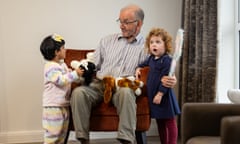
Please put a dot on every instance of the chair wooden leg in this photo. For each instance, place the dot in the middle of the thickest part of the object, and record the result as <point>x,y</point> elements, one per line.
<point>141,137</point>
<point>67,136</point>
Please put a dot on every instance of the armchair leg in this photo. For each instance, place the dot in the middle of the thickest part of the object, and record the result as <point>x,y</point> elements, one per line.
<point>67,136</point>
<point>141,137</point>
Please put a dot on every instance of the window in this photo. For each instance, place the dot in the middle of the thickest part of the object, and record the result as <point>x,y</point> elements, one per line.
<point>237,43</point>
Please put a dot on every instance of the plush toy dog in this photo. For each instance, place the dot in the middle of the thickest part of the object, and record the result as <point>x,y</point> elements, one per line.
<point>130,82</point>
<point>112,84</point>
<point>88,66</point>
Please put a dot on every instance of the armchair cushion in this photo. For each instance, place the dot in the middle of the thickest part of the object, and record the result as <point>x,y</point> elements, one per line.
<point>204,140</point>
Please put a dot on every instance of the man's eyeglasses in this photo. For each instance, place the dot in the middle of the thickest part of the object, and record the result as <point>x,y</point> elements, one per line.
<point>125,22</point>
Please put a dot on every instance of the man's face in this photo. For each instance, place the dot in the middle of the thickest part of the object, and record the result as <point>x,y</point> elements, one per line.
<point>128,24</point>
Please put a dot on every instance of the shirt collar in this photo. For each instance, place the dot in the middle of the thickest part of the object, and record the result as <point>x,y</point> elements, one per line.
<point>137,38</point>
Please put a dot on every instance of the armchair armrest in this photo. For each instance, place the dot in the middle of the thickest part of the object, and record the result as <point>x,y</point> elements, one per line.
<point>143,78</point>
<point>230,130</point>
<point>144,74</point>
<point>204,119</point>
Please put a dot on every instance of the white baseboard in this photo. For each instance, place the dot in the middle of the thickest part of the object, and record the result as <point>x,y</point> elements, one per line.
<point>106,135</point>
<point>21,137</point>
<point>95,135</point>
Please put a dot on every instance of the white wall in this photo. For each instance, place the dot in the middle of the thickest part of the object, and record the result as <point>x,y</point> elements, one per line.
<point>227,55</point>
<point>24,23</point>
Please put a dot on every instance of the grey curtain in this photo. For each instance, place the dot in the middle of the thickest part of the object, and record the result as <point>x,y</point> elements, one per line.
<point>198,64</point>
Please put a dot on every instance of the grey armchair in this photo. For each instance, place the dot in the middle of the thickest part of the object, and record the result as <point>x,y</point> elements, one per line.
<point>210,123</point>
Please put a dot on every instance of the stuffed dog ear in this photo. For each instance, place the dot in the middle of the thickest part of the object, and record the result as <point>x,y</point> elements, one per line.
<point>109,84</point>
<point>90,57</point>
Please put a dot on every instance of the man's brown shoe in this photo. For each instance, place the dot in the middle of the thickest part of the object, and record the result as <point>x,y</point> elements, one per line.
<point>123,141</point>
<point>83,141</point>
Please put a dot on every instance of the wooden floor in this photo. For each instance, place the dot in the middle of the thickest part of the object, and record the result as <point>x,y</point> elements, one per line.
<point>150,140</point>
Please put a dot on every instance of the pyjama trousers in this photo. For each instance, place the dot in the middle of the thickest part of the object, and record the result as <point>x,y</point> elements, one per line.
<point>55,123</point>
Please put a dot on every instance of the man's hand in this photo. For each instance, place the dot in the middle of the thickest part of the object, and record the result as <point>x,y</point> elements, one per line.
<point>169,81</point>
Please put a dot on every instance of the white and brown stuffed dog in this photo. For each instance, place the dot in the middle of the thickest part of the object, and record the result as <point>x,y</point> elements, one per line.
<point>112,84</point>
<point>130,82</point>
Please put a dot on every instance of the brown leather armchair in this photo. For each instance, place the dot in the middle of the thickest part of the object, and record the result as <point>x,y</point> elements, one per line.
<point>210,123</point>
<point>106,119</point>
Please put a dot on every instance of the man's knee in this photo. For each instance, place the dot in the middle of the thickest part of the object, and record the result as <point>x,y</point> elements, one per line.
<point>77,90</point>
<point>125,90</point>
<point>77,93</point>
<point>126,93</point>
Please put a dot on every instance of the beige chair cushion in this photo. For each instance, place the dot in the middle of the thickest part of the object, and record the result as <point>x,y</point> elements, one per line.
<point>204,140</point>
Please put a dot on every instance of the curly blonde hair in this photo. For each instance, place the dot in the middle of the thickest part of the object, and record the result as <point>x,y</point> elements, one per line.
<point>166,37</point>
